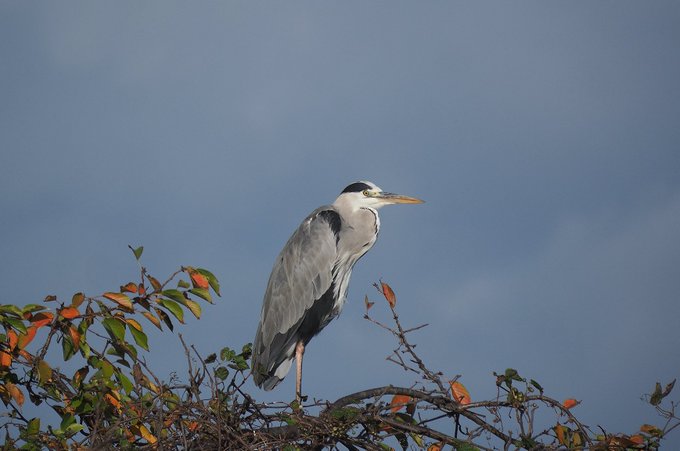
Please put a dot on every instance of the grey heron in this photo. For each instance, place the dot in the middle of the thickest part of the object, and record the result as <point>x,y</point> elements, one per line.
<point>308,284</point>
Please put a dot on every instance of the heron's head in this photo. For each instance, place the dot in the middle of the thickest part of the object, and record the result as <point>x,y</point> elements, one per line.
<point>368,194</point>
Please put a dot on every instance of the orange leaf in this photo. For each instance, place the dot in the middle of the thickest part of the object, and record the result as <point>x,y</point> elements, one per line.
<point>199,280</point>
<point>15,393</point>
<point>193,425</point>
<point>79,375</point>
<point>569,403</point>
<point>389,294</point>
<point>399,402</point>
<point>559,431</point>
<point>637,439</point>
<point>156,322</point>
<point>75,336</point>
<point>460,393</point>
<point>5,359</point>
<point>649,429</point>
<point>25,339</point>
<point>129,287</point>
<point>141,290</point>
<point>41,319</point>
<point>368,303</point>
<point>120,299</point>
<point>112,400</point>
<point>12,339</point>
<point>69,312</point>
<point>435,447</point>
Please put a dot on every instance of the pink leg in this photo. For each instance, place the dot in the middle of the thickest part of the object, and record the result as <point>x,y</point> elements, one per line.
<point>299,352</point>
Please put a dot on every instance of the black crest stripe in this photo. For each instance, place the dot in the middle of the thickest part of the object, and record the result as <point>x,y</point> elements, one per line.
<point>356,187</point>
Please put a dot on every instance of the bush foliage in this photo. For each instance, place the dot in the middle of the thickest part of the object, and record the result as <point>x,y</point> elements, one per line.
<point>110,398</point>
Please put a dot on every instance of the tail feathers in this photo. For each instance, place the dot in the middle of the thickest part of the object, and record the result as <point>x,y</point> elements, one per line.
<point>269,380</point>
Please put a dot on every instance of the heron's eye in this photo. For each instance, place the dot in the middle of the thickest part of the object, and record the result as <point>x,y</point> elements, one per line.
<point>367,193</point>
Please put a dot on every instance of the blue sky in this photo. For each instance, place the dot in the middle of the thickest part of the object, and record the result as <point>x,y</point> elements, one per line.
<point>544,137</point>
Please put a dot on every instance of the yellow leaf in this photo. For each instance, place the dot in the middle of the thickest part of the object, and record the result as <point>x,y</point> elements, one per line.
<point>134,324</point>
<point>460,393</point>
<point>144,432</point>
<point>119,298</point>
<point>389,294</point>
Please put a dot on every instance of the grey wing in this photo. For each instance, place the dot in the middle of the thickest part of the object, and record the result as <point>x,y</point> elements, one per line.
<point>302,274</point>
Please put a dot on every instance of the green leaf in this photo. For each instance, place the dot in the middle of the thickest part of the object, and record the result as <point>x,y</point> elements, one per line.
<point>107,370</point>
<point>44,372</point>
<point>537,385</point>
<point>68,350</point>
<point>173,307</point>
<point>30,308</point>
<point>194,307</point>
<point>124,382</point>
<point>202,293</point>
<point>211,358</point>
<point>212,280</point>
<point>173,294</point>
<point>221,373</point>
<point>137,251</point>
<point>164,316</point>
<point>73,429</point>
<point>17,324</point>
<point>183,283</point>
<point>227,354</point>
<point>66,421</point>
<point>140,338</point>
<point>115,328</point>
<point>12,310</point>
<point>33,427</point>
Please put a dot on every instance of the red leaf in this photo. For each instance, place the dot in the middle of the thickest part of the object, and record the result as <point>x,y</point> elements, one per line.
<point>389,294</point>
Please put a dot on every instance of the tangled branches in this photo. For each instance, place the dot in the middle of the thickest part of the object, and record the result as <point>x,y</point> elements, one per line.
<point>113,399</point>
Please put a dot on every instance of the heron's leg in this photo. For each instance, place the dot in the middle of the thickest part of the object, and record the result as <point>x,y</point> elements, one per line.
<point>299,352</point>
